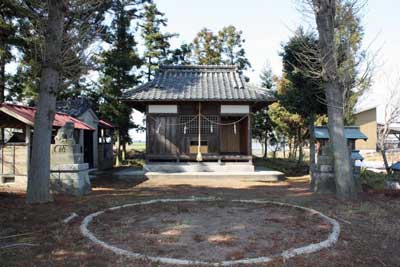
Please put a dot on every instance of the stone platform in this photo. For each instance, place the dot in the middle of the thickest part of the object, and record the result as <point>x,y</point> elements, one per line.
<point>169,167</point>
<point>265,175</point>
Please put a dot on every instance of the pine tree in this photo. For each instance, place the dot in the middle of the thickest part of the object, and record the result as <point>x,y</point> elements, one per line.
<point>156,43</point>
<point>39,169</point>
<point>82,27</point>
<point>181,55</point>
<point>233,52</point>
<point>225,47</point>
<point>303,92</point>
<point>119,66</point>
<point>261,125</point>
<point>12,18</point>
<point>206,48</point>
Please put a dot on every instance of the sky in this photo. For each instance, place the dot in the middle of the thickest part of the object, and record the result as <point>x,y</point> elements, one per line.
<point>266,24</point>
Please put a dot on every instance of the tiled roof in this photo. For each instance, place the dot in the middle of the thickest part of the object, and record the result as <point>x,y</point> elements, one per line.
<point>27,115</point>
<point>197,83</point>
<point>74,107</point>
<point>350,132</point>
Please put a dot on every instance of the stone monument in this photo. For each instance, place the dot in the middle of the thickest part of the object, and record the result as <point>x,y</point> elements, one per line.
<point>69,174</point>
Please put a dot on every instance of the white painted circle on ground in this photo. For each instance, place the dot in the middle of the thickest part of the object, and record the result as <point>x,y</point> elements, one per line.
<point>286,254</point>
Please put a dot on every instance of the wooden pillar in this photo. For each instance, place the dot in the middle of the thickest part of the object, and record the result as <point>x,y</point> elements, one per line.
<point>249,135</point>
<point>28,146</point>
<point>103,138</point>
<point>2,137</point>
<point>118,146</point>
<point>81,140</point>
<point>199,156</point>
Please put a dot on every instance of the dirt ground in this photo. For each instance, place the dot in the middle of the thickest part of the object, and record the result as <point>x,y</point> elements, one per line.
<point>370,233</point>
<point>212,230</point>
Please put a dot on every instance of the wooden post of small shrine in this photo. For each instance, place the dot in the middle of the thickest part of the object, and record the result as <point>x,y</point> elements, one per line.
<point>199,156</point>
<point>118,146</point>
<point>28,145</point>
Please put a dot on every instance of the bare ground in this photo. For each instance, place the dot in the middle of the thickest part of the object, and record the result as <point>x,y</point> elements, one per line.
<point>370,226</point>
<point>209,230</point>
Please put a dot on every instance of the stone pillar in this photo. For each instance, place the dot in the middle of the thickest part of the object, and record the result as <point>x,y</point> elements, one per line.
<point>69,174</point>
<point>324,174</point>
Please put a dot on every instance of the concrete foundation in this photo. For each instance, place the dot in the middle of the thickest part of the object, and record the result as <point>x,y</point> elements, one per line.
<point>255,175</point>
<point>265,176</point>
<point>199,167</point>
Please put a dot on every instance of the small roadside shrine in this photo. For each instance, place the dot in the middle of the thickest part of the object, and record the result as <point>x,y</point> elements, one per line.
<point>17,122</point>
<point>324,174</point>
<point>352,134</point>
<point>198,113</point>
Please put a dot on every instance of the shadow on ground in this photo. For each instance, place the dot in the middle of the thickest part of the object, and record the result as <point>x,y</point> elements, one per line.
<point>370,229</point>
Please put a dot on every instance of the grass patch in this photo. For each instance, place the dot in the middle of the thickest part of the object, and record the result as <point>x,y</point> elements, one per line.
<point>138,146</point>
<point>372,179</point>
<point>135,162</point>
<point>288,166</point>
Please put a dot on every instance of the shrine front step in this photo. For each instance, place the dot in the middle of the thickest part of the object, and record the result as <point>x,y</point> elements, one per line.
<point>208,167</point>
<point>264,176</point>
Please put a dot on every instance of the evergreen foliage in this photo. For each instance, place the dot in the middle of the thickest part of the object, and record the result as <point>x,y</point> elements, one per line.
<point>119,67</point>
<point>232,49</point>
<point>262,129</point>
<point>207,48</point>
<point>156,43</point>
<point>225,47</point>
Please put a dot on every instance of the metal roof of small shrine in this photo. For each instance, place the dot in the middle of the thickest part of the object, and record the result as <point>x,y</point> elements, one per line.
<point>27,115</point>
<point>396,166</point>
<point>198,83</point>
<point>350,132</point>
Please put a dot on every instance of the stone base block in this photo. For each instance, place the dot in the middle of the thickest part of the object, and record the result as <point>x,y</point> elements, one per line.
<point>72,179</point>
<point>325,160</point>
<point>325,182</point>
<point>17,182</point>
<point>325,168</point>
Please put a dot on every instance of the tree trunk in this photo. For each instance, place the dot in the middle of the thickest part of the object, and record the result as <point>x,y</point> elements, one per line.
<point>118,147</point>
<point>39,171</point>
<point>2,83</point>
<point>265,148</point>
<point>300,147</point>
<point>325,19</point>
<point>382,137</point>
<point>123,150</point>
<point>345,186</point>
<point>2,75</point>
<point>313,166</point>
<point>301,155</point>
<point>385,161</point>
<point>284,148</point>
<point>149,70</point>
